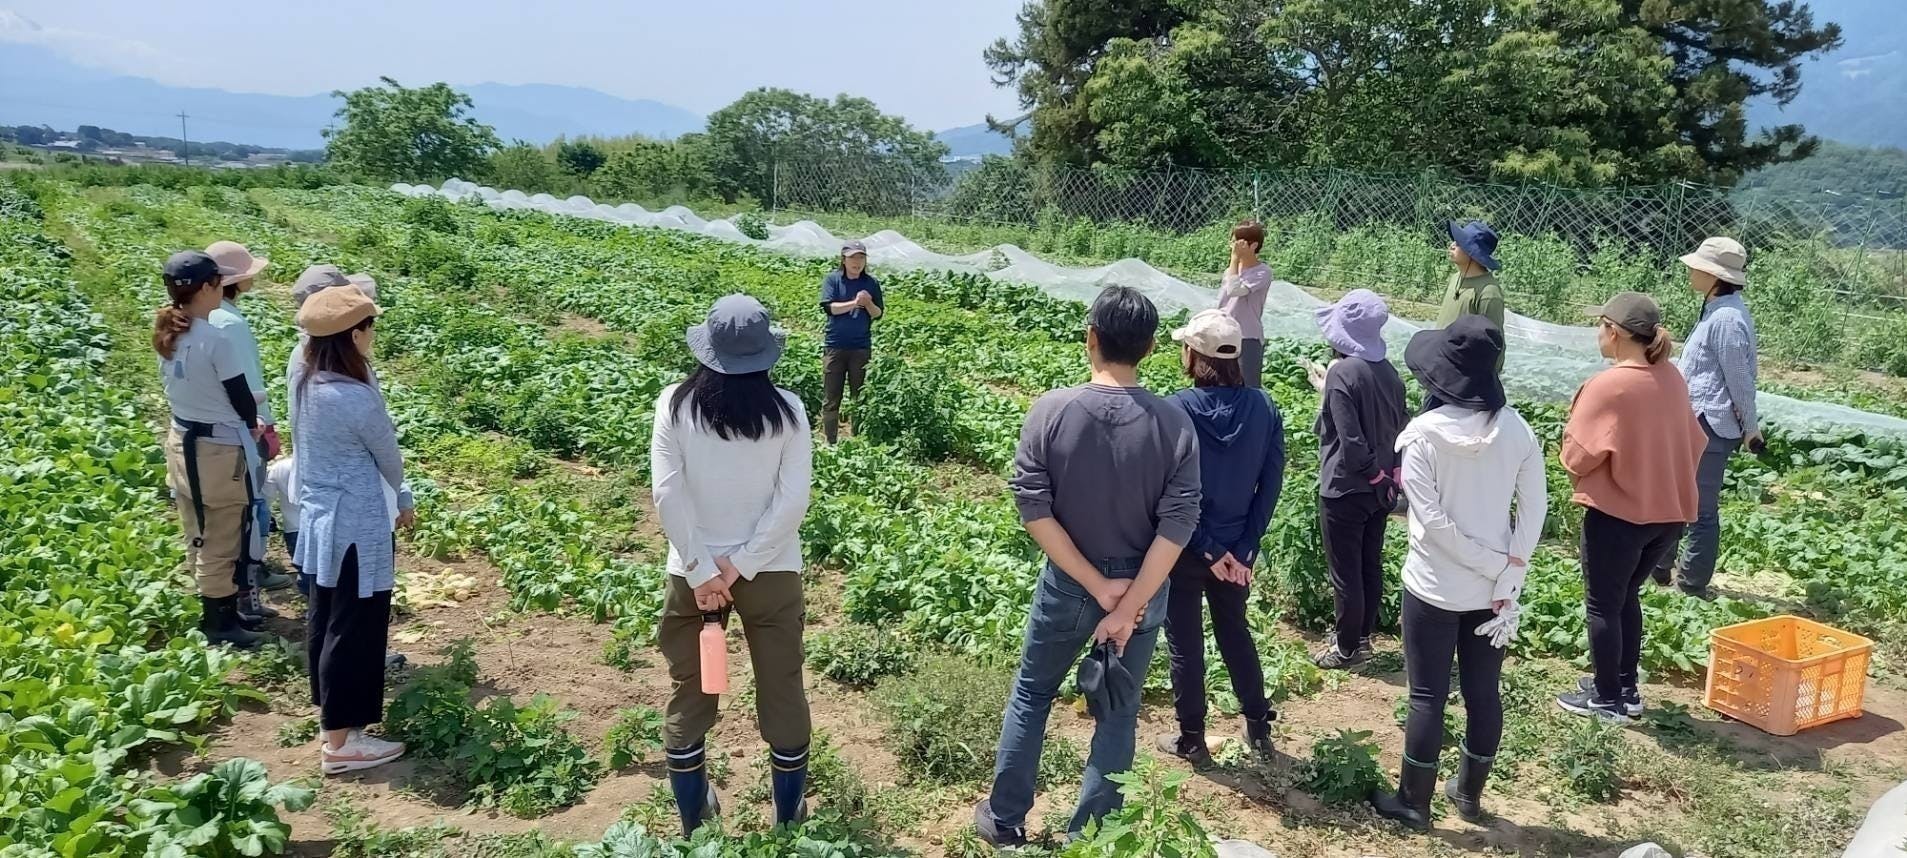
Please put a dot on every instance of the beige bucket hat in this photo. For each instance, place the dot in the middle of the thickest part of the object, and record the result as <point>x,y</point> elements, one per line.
<point>236,262</point>
<point>1723,257</point>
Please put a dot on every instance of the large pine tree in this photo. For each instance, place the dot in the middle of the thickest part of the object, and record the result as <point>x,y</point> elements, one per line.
<point>1581,92</point>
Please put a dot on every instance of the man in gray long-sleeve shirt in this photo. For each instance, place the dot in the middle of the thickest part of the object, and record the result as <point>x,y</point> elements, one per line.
<point>1107,482</point>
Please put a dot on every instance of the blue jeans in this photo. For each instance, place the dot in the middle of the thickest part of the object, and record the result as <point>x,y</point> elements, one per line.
<point>1703,545</point>
<point>1062,624</point>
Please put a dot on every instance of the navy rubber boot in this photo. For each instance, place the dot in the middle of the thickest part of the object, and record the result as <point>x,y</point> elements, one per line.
<point>790,784</point>
<point>688,779</point>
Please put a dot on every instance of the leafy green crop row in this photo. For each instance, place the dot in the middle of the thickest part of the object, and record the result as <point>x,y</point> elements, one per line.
<point>99,660</point>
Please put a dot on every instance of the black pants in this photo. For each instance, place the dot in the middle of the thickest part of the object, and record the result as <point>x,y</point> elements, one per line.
<point>1185,636</point>
<point>1432,636</point>
<point>1617,558</point>
<point>1353,528</point>
<point>345,645</point>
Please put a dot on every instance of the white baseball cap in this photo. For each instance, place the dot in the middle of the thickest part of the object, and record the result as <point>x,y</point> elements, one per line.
<point>1212,333</point>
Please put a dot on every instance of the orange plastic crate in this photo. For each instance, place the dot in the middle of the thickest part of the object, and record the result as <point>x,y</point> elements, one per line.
<point>1786,674</point>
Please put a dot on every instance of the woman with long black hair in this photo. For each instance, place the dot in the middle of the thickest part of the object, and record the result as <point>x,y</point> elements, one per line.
<point>347,453</point>
<point>211,446</point>
<point>731,459</point>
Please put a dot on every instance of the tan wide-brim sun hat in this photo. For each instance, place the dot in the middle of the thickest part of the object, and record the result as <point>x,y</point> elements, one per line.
<point>236,262</point>
<point>1723,257</point>
<point>334,311</point>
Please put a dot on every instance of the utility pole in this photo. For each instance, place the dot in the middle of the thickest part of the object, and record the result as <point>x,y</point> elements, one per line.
<point>185,143</point>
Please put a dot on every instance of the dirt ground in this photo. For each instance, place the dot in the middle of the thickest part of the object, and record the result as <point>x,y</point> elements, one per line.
<point>522,654</point>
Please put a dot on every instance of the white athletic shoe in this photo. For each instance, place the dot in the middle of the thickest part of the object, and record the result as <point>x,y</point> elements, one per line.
<point>360,752</point>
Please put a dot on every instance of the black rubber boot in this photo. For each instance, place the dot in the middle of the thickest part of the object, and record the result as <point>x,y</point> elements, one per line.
<point>219,621</point>
<point>688,778</point>
<point>789,783</point>
<point>1410,805</point>
<point>1258,734</point>
<point>1466,791</point>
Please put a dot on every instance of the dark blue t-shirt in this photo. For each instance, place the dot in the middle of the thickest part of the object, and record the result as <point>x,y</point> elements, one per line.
<point>853,329</point>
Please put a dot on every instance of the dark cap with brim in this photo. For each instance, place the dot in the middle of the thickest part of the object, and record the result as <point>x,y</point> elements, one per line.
<point>1634,312</point>
<point>190,268</point>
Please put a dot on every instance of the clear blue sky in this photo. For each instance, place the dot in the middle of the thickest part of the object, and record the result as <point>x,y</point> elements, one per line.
<point>918,59</point>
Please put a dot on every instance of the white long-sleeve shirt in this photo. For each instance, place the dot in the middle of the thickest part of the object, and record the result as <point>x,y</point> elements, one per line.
<point>737,498</point>
<point>1462,469</point>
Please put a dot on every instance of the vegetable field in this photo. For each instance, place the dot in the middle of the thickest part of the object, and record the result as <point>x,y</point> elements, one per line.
<point>521,354</point>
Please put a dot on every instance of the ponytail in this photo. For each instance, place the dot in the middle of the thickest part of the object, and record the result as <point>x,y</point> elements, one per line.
<point>1659,347</point>
<point>171,323</point>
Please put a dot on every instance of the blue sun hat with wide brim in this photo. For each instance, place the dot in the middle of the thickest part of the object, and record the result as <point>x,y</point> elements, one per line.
<point>1478,241</point>
<point>738,338</point>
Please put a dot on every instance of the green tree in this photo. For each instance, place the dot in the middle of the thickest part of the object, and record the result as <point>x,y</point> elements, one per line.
<point>745,139</point>
<point>523,167</point>
<point>1583,92</point>
<point>578,157</point>
<point>391,132</point>
<point>658,171</point>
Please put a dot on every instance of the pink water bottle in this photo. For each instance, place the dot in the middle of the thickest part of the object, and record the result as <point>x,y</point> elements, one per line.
<point>714,654</point>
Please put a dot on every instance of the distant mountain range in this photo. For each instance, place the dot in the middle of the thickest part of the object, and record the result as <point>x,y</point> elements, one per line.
<point>972,141</point>
<point>39,87</point>
<point>1858,94</point>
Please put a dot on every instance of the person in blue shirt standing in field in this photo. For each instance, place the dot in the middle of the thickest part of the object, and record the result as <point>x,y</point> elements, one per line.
<point>852,299</point>
<point>1721,366</point>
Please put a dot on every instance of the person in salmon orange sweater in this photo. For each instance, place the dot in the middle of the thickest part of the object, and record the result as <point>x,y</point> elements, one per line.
<point>1631,447</point>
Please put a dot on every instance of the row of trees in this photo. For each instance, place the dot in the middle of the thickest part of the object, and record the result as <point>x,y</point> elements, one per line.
<point>391,132</point>
<point>1574,92</point>
<point>91,138</point>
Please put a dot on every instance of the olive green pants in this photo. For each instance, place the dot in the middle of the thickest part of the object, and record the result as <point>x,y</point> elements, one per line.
<point>772,618</point>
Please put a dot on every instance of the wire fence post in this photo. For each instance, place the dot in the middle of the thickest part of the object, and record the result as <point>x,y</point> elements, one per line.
<point>774,182</point>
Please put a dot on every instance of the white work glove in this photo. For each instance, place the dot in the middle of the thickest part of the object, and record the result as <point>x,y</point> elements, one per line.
<point>1501,629</point>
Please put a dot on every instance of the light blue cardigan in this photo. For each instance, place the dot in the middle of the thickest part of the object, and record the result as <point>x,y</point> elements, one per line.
<point>347,452</point>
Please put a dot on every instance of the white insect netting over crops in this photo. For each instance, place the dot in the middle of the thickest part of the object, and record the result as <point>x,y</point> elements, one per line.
<point>1546,362</point>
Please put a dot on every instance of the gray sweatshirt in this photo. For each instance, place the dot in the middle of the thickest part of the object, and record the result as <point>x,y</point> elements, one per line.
<point>1116,466</point>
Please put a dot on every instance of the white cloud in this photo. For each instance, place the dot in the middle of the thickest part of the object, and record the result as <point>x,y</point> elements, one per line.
<point>95,50</point>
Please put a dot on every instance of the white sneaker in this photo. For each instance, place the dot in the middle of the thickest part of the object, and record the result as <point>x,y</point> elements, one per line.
<point>360,752</point>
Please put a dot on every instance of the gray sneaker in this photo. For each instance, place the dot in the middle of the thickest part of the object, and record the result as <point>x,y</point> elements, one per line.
<point>1631,697</point>
<point>990,830</point>
<point>269,580</point>
<point>1585,703</point>
<point>1329,658</point>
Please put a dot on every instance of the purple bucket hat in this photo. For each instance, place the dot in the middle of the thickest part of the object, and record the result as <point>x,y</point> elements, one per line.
<point>1355,324</point>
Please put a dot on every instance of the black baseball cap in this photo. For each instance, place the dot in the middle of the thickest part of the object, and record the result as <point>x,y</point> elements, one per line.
<point>190,268</point>
<point>1634,312</point>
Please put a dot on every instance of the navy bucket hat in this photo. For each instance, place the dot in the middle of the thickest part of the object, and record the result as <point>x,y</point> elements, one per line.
<point>1477,239</point>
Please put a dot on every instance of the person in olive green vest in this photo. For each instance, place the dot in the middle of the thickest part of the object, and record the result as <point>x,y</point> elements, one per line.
<point>1473,289</point>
